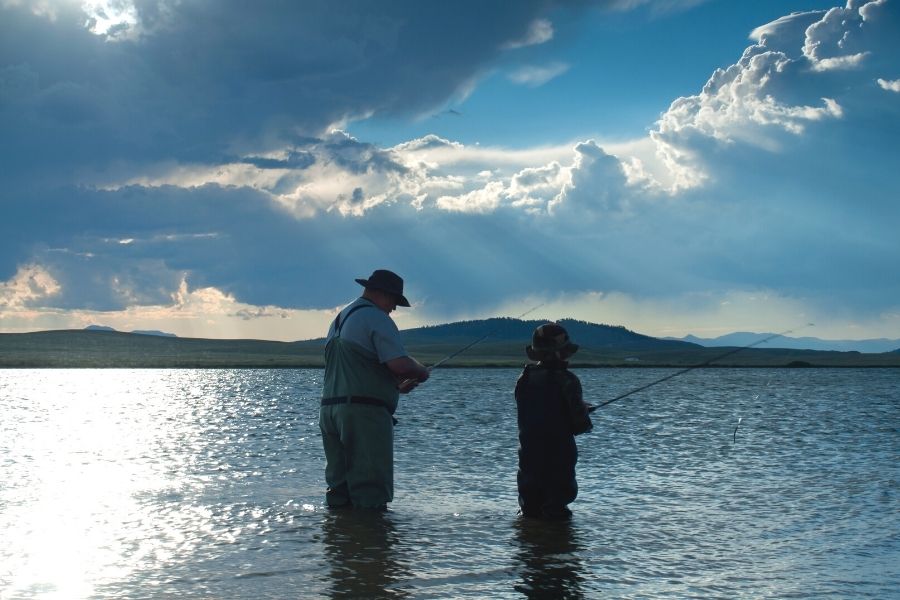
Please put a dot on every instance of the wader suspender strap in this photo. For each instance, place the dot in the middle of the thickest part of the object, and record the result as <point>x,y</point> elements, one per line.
<point>339,324</point>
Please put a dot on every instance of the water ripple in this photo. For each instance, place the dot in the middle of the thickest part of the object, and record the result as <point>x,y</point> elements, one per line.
<point>208,483</point>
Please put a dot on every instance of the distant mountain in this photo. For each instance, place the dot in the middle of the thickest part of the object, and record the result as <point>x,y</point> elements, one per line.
<point>502,329</point>
<point>137,331</point>
<point>744,338</point>
<point>153,332</point>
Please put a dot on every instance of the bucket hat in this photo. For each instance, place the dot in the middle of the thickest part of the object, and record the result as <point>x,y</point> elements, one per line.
<point>550,340</point>
<point>386,281</point>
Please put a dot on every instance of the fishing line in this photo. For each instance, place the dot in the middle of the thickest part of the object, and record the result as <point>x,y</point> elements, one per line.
<point>755,398</point>
<point>703,364</point>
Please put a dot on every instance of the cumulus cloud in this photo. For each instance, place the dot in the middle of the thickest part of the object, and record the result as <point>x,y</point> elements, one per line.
<point>582,182</point>
<point>778,88</point>
<point>891,86</point>
<point>480,201</point>
<point>596,186</point>
<point>334,172</point>
<point>116,19</point>
<point>30,285</point>
<point>338,173</point>
<point>197,312</point>
<point>785,83</point>
<point>535,188</point>
<point>843,38</point>
<point>739,104</point>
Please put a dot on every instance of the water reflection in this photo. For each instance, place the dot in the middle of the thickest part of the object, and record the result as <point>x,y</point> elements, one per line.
<point>363,552</point>
<point>83,455</point>
<point>548,559</point>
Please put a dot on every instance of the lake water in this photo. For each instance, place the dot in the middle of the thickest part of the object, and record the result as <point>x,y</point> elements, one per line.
<point>209,484</point>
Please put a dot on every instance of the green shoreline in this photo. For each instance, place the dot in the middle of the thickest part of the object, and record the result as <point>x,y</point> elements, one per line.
<point>226,367</point>
<point>91,349</point>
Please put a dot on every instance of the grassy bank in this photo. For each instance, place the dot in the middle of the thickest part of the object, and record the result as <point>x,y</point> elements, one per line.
<point>103,349</point>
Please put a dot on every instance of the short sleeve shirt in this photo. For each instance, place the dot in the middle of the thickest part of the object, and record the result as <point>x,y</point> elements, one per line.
<point>355,354</point>
<point>370,328</point>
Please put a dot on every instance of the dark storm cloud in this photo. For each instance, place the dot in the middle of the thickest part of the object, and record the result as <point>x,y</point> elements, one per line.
<point>196,78</point>
<point>192,82</point>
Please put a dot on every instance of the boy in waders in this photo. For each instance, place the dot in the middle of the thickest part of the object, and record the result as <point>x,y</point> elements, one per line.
<point>551,412</point>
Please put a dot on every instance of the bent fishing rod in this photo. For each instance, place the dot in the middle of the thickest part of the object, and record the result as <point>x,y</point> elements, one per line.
<point>703,364</point>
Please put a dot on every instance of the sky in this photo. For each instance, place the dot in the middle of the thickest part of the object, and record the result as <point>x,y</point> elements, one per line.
<point>227,169</point>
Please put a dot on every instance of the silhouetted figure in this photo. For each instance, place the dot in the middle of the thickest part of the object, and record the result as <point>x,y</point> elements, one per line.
<point>550,413</point>
<point>366,370</point>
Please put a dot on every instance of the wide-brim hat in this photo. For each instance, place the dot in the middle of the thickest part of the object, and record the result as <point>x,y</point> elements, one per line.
<point>386,281</point>
<point>550,340</point>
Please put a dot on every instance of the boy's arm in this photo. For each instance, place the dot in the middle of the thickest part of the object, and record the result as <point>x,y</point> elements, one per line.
<point>578,409</point>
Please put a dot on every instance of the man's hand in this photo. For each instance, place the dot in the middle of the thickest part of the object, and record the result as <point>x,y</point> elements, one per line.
<point>409,372</point>
<point>407,385</point>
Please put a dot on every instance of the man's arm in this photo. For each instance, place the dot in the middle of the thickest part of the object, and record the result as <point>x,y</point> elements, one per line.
<point>408,371</point>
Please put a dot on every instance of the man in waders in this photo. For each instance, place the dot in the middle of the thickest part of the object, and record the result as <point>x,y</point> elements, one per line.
<point>550,413</point>
<point>366,369</point>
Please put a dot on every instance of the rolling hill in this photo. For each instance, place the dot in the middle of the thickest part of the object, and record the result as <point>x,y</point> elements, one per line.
<point>587,335</point>
<point>502,343</point>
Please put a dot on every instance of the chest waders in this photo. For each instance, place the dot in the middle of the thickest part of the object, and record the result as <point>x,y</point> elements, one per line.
<point>360,396</point>
<point>353,374</point>
<point>547,452</point>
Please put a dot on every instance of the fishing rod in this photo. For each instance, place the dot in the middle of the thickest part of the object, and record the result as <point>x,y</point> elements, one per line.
<point>466,347</point>
<point>704,364</point>
<point>479,340</point>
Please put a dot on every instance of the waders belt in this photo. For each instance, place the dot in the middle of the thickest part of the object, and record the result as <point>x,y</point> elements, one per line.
<point>356,400</point>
